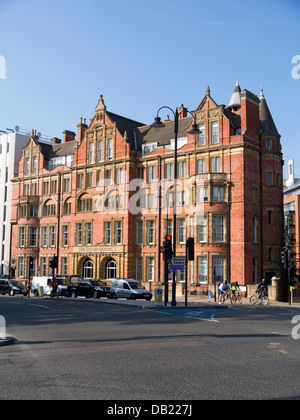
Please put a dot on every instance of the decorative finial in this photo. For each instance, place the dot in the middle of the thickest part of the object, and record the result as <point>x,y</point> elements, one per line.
<point>261,96</point>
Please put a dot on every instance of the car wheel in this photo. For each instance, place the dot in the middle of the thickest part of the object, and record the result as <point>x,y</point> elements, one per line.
<point>36,293</point>
<point>11,293</point>
<point>132,297</point>
<point>73,294</point>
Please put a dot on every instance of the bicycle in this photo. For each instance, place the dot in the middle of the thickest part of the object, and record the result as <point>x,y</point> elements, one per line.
<point>236,298</point>
<point>225,296</point>
<point>259,298</point>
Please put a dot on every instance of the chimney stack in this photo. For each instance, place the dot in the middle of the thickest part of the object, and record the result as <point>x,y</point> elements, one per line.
<point>81,127</point>
<point>68,136</point>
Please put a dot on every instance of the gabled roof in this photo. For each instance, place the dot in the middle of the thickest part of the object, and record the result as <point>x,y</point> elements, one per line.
<point>207,98</point>
<point>125,125</point>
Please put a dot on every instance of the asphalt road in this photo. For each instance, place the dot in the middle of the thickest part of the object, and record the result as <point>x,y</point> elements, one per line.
<point>68,349</point>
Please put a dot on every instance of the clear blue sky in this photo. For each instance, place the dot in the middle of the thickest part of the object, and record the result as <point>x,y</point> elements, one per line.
<point>141,54</point>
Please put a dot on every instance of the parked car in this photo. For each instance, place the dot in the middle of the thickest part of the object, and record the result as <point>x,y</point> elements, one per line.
<point>12,287</point>
<point>129,288</point>
<point>89,288</point>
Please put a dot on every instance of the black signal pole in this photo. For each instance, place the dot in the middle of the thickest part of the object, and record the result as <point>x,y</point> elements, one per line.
<point>194,131</point>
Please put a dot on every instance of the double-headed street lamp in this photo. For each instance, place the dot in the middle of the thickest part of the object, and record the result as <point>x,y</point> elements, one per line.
<point>194,131</point>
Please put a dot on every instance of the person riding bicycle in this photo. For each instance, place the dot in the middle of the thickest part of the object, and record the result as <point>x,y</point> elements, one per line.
<point>235,287</point>
<point>262,288</point>
<point>223,289</point>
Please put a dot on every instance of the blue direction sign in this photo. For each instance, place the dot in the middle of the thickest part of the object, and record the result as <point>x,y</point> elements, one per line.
<point>177,264</point>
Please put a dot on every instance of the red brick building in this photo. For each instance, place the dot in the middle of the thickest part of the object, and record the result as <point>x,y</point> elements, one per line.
<point>94,199</point>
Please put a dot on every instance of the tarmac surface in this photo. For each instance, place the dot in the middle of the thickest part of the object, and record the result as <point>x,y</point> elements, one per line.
<point>193,302</point>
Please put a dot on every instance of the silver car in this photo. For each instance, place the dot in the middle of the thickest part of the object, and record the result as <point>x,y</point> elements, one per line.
<point>129,289</point>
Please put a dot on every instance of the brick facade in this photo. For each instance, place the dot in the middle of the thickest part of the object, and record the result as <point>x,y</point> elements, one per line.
<point>87,209</point>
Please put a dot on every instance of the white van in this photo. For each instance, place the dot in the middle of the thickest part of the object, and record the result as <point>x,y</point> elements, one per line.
<point>128,288</point>
<point>46,283</point>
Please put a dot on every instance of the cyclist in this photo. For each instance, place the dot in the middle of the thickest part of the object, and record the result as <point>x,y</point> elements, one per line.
<point>223,289</point>
<point>262,288</point>
<point>235,287</point>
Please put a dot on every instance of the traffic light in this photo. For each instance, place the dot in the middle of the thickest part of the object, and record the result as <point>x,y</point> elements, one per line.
<point>30,262</point>
<point>292,267</point>
<point>168,247</point>
<point>284,258</point>
<point>54,262</point>
<point>190,249</point>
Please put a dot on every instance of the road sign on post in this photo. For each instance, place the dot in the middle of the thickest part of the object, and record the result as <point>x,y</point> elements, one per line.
<point>178,261</point>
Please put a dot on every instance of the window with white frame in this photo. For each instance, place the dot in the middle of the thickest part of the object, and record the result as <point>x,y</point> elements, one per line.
<point>181,231</point>
<point>91,152</point>
<point>44,236</point>
<point>52,236</point>
<point>139,268</point>
<point>151,232</point>
<point>100,150</point>
<point>65,235</point>
<point>202,229</point>
<point>139,232</point>
<point>21,266</point>
<point>43,266</point>
<point>22,237</point>
<point>218,269</point>
<point>88,233</point>
<point>151,173</point>
<point>120,176</point>
<point>201,166</point>
<point>201,194</point>
<point>218,228</point>
<point>107,233</point>
<point>118,232</point>
<point>215,132</point>
<point>150,269</point>
<point>27,166</point>
<point>64,265</point>
<point>215,164</point>
<point>182,169</point>
<point>110,149</point>
<point>202,135</point>
<point>34,164</point>
<point>78,234</point>
<point>202,269</point>
<point>33,236</point>
<point>169,171</point>
<point>169,227</point>
<point>218,194</point>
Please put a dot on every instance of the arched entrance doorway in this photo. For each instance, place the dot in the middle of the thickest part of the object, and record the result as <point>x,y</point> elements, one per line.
<point>87,269</point>
<point>110,269</point>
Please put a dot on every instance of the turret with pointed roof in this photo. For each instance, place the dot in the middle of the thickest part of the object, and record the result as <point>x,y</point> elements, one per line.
<point>235,100</point>
<point>267,124</point>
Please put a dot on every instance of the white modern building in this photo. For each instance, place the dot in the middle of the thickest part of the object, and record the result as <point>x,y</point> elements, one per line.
<point>11,145</point>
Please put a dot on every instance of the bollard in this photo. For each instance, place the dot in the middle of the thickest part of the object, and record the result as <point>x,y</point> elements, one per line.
<point>2,328</point>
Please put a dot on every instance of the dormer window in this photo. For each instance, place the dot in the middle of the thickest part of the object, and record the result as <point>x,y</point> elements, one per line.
<point>148,148</point>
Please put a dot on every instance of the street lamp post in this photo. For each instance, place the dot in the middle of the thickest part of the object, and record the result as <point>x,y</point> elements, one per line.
<point>195,131</point>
